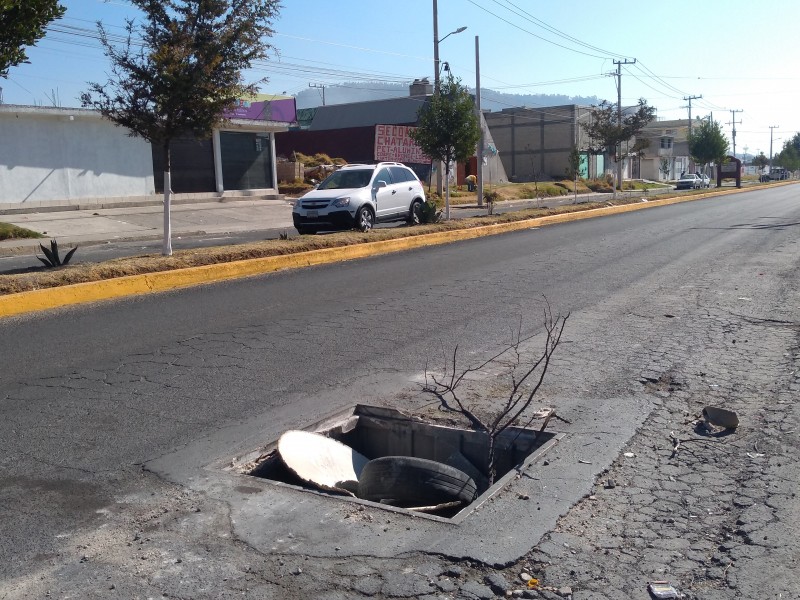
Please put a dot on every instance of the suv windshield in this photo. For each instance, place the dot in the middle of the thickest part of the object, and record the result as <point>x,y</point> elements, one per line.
<point>347,179</point>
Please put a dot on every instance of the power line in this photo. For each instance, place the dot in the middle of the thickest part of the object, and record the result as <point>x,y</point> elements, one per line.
<point>514,25</point>
<point>538,22</point>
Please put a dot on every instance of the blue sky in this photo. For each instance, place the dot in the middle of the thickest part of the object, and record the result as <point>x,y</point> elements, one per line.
<point>737,54</point>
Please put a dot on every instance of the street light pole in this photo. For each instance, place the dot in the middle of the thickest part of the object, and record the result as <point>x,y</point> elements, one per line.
<point>771,127</point>
<point>435,47</point>
<point>436,81</point>
<point>480,120</point>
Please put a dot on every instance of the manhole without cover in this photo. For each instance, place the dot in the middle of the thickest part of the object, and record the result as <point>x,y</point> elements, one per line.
<point>377,432</point>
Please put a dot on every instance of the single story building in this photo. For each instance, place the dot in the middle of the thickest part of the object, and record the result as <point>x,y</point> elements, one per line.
<point>356,132</point>
<point>69,156</point>
<point>535,143</point>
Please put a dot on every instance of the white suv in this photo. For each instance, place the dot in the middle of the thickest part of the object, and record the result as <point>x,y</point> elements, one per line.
<point>360,196</point>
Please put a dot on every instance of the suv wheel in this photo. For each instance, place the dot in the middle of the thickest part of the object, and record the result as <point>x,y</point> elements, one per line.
<point>415,213</point>
<point>364,219</point>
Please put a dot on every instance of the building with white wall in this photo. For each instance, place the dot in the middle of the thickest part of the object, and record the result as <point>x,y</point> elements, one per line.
<point>71,156</point>
<point>667,153</point>
<point>60,155</point>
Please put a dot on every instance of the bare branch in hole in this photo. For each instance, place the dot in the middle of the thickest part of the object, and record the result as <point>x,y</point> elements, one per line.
<point>526,375</point>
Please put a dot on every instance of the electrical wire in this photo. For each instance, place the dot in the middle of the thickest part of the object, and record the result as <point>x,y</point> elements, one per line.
<point>78,36</point>
<point>538,22</point>
<point>515,26</point>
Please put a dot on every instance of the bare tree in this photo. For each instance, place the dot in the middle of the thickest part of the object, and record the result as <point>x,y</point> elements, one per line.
<point>526,379</point>
<point>179,70</point>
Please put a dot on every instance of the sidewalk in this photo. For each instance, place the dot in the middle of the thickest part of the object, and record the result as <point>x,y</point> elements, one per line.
<point>95,226</point>
<point>91,226</point>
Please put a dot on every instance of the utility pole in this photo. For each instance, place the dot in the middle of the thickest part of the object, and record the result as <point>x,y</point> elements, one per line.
<point>690,98</point>
<point>733,132</point>
<point>319,85</point>
<point>771,127</point>
<point>619,64</point>
<point>435,47</point>
<point>436,84</point>
<point>480,119</point>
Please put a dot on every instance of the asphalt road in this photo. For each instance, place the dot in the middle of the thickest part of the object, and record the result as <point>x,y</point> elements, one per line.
<point>92,393</point>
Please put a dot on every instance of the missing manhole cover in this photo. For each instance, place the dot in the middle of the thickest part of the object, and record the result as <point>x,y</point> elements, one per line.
<point>379,432</point>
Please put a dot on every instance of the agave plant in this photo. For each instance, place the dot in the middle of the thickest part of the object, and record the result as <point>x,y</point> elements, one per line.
<point>53,259</point>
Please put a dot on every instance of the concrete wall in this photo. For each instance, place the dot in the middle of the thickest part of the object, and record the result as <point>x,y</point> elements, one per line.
<point>62,155</point>
<point>535,143</point>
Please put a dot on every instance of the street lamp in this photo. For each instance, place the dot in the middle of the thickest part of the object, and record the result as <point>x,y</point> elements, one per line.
<point>436,42</point>
<point>459,30</point>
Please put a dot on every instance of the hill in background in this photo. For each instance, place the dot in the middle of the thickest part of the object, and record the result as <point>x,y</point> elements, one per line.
<point>490,99</point>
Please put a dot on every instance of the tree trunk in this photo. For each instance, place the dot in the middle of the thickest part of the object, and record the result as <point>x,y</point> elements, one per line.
<point>166,248</point>
<point>447,192</point>
<point>492,470</point>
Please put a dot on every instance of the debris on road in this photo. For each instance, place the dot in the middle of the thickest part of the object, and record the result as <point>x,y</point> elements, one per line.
<point>410,481</point>
<point>321,461</point>
<point>721,417</point>
<point>662,589</point>
<point>415,483</point>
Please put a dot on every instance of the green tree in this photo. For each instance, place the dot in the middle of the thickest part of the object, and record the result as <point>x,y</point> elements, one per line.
<point>608,132</point>
<point>573,163</point>
<point>760,161</point>
<point>789,156</point>
<point>708,144</point>
<point>180,70</point>
<point>447,128</point>
<point>795,142</point>
<point>22,23</point>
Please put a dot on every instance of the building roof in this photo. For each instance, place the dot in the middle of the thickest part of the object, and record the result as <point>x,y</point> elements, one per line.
<point>393,111</point>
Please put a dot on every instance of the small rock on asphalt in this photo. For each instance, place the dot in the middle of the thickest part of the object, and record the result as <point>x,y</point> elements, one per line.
<point>497,582</point>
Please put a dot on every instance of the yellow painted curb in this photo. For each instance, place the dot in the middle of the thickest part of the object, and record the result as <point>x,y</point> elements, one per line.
<point>44,299</point>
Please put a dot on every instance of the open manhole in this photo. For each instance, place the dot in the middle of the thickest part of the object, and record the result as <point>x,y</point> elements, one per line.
<point>377,432</point>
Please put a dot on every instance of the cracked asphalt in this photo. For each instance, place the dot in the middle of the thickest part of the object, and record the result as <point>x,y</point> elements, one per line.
<point>105,484</point>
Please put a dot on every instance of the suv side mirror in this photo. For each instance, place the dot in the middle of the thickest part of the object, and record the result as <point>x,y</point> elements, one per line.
<point>380,184</point>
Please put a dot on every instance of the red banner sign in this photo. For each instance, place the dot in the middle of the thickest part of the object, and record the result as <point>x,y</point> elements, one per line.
<point>393,143</point>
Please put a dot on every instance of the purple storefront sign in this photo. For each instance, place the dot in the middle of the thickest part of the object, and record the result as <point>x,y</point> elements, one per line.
<point>282,110</point>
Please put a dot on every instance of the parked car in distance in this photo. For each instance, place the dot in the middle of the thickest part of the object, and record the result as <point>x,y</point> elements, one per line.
<point>706,180</point>
<point>358,196</point>
<point>690,181</point>
<point>776,174</point>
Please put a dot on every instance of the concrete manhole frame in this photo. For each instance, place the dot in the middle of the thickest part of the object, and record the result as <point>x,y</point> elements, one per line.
<point>529,443</point>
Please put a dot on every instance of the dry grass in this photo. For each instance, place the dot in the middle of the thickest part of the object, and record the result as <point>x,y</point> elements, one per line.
<point>11,232</point>
<point>152,263</point>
